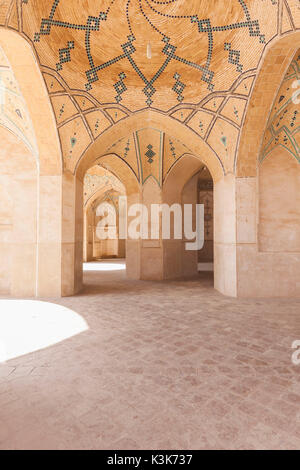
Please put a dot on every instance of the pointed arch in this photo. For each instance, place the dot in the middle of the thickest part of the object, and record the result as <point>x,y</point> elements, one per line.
<point>151,118</point>
<point>274,64</point>
<point>36,261</point>
<point>27,72</point>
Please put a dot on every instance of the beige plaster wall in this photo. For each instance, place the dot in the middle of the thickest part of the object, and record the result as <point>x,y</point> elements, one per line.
<point>18,217</point>
<point>271,269</point>
<point>225,267</point>
<point>279,203</point>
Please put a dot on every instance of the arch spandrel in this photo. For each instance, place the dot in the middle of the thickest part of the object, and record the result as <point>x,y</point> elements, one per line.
<point>151,119</point>
<point>273,69</point>
<point>32,87</point>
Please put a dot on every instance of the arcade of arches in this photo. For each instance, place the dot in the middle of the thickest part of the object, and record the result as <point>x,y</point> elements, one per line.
<point>175,102</point>
<point>245,134</point>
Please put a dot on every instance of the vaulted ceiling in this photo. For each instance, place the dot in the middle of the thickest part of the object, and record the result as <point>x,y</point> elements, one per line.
<point>193,61</point>
<point>284,123</point>
<point>197,46</point>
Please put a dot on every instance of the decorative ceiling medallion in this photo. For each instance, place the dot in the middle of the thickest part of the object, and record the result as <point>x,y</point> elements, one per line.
<point>157,18</point>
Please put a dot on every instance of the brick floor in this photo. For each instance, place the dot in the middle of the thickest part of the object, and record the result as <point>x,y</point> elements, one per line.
<point>171,365</point>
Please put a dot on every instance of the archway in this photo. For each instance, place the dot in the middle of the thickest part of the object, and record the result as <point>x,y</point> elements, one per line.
<point>102,193</point>
<point>150,259</point>
<point>272,70</point>
<point>267,185</point>
<point>112,178</point>
<point>31,176</point>
<point>189,183</point>
<point>154,120</point>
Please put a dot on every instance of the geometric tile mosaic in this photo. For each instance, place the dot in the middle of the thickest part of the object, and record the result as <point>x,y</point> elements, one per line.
<point>150,152</point>
<point>63,107</point>
<point>84,103</point>
<point>223,139</point>
<point>116,114</point>
<point>214,104</point>
<point>244,88</point>
<point>75,139</point>
<point>200,123</point>
<point>234,110</point>
<point>97,122</point>
<point>283,128</point>
<point>74,42</point>
<point>196,62</point>
<point>14,114</point>
<point>182,114</point>
<point>53,85</point>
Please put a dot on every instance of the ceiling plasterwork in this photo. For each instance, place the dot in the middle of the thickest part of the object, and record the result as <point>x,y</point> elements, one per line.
<point>284,123</point>
<point>197,46</point>
<point>204,61</point>
<point>14,114</point>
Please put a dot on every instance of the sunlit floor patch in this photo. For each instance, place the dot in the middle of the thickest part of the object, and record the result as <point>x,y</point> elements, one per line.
<point>28,325</point>
<point>107,265</point>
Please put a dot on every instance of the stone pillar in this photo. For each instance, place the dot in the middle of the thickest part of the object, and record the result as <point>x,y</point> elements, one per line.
<point>60,236</point>
<point>133,247</point>
<point>88,236</point>
<point>72,235</point>
<point>152,259</point>
<point>225,263</point>
<point>159,259</point>
<point>246,210</point>
<point>144,257</point>
<point>190,258</point>
<point>49,237</point>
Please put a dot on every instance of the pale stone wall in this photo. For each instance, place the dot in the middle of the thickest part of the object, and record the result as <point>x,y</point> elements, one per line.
<point>18,217</point>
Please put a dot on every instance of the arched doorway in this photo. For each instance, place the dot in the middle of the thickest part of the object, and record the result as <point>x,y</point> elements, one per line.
<point>163,166</point>
<point>102,193</point>
<point>31,177</point>
<point>190,184</point>
<point>106,182</point>
<point>267,193</point>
